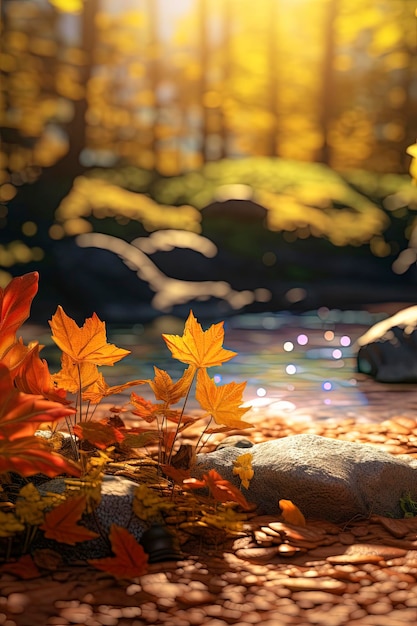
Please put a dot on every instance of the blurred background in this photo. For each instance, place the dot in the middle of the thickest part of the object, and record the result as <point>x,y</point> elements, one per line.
<point>220,155</point>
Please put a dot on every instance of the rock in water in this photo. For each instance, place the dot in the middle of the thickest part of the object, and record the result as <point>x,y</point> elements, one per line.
<point>327,479</point>
<point>388,350</point>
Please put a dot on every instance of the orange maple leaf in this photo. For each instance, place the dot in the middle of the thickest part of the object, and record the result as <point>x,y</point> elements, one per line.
<point>15,303</point>
<point>33,377</point>
<point>85,344</point>
<point>197,347</point>
<point>221,489</point>
<point>129,560</point>
<point>144,408</point>
<point>73,375</point>
<point>166,390</point>
<point>20,413</point>
<point>291,513</point>
<point>99,434</point>
<point>99,389</point>
<point>222,403</point>
<point>61,525</point>
<point>32,455</point>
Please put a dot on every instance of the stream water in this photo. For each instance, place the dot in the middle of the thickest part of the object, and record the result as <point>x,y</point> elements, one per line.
<point>302,366</point>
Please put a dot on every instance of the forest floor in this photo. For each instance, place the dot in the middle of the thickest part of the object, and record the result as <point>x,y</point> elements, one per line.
<point>362,572</point>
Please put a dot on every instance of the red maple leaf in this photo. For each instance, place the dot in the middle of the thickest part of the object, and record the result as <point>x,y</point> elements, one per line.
<point>129,560</point>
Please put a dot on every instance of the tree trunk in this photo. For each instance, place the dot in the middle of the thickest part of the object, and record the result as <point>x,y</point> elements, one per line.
<point>327,91</point>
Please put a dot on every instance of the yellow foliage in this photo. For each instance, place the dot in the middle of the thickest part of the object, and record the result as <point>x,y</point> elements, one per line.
<point>243,468</point>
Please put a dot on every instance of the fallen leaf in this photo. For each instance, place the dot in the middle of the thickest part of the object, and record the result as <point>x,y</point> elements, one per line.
<point>243,468</point>
<point>24,567</point>
<point>129,561</point>
<point>221,489</point>
<point>197,347</point>
<point>85,344</point>
<point>61,525</point>
<point>291,513</point>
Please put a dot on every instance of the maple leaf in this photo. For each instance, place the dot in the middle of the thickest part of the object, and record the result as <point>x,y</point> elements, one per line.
<point>20,413</point>
<point>34,377</point>
<point>99,389</point>
<point>291,513</point>
<point>197,347</point>
<point>144,408</point>
<point>24,567</point>
<point>15,302</point>
<point>98,434</point>
<point>243,468</point>
<point>15,356</point>
<point>166,390</point>
<point>222,403</point>
<point>61,525</point>
<point>221,489</point>
<point>85,344</point>
<point>129,561</point>
<point>32,455</point>
<point>176,474</point>
<point>73,375</point>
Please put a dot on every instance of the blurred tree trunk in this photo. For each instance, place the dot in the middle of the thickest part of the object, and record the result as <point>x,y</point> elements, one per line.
<point>327,85</point>
<point>70,165</point>
<point>203,55</point>
<point>153,68</point>
<point>272,43</point>
<point>227,73</point>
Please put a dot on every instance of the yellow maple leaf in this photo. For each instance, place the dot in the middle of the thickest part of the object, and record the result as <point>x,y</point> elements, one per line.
<point>74,376</point>
<point>243,468</point>
<point>166,390</point>
<point>198,347</point>
<point>291,513</point>
<point>85,344</point>
<point>222,403</point>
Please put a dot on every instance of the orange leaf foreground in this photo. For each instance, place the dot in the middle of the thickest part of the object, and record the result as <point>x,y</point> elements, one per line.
<point>20,413</point>
<point>85,344</point>
<point>15,302</point>
<point>61,525</point>
<point>32,455</point>
<point>129,561</point>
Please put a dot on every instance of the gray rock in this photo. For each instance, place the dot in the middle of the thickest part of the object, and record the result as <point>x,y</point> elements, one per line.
<point>388,350</point>
<point>115,508</point>
<point>326,478</point>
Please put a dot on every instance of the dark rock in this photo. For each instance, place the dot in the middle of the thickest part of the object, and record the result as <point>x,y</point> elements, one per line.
<point>388,350</point>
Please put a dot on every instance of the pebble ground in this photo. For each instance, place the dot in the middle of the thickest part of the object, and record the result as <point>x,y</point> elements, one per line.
<point>361,573</point>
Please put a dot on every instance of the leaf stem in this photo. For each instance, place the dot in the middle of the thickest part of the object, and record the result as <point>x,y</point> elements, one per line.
<point>180,417</point>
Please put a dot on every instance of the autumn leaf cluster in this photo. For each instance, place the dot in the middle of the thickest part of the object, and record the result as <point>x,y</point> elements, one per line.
<point>33,398</point>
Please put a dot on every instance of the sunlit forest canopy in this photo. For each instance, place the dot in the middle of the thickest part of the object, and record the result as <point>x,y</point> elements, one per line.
<point>125,122</point>
<point>170,85</point>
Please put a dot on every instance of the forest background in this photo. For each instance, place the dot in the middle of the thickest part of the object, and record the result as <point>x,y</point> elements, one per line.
<point>157,154</point>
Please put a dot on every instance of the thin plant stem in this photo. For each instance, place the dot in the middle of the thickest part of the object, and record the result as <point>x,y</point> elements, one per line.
<point>202,435</point>
<point>180,417</point>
